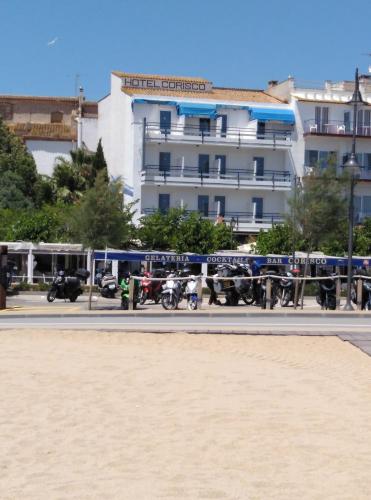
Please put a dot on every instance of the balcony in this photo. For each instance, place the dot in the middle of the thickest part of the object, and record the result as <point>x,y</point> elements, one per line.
<point>334,127</point>
<point>244,222</point>
<point>232,178</point>
<point>275,138</point>
<point>364,174</point>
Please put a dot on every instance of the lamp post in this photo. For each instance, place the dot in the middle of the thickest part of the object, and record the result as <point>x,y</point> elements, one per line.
<point>232,224</point>
<point>352,166</point>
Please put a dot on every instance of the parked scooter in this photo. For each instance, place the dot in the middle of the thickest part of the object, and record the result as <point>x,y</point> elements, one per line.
<point>366,292</point>
<point>67,288</point>
<point>191,292</point>
<point>107,284</point>
<point>286,289</point>
<point>150,289</point>
<point>125,291</point>
<point>274,291</point>
<point>172,292</point>
<point>326,296</point>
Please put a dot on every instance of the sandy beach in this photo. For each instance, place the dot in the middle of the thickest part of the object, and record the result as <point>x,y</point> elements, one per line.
<point>87,415</point>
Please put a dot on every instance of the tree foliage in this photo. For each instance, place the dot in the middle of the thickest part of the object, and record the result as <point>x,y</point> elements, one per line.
<point>102,219</point>
<point>277,240</point>
<point>319,208</point>
<point>184,232</point>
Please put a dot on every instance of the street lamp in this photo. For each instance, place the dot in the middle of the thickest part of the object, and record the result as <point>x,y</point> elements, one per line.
<point>232,225</point>
<point>353,168</point>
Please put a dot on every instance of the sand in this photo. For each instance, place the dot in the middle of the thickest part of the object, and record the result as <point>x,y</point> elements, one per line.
<point>87,415</point>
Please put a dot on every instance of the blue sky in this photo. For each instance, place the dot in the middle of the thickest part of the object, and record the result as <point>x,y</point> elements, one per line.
<point>238,43</point>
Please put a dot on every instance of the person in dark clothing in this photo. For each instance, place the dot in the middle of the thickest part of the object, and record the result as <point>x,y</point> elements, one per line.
<point>255,271</point>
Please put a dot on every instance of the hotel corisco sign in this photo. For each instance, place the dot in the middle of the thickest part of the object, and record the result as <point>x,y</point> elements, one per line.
<point>165,84</point>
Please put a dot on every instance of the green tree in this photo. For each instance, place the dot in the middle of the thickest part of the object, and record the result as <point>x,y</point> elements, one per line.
<point>159,231</point>
<point>102,219</point>
<point>362,238</point>
<point>17,171</point>
<point>277,240</point>
<point>99,163</point>
<point>319,209</point>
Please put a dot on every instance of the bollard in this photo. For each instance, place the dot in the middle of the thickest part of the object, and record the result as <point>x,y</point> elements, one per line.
<point>296,293</point>
<point>268,292</point>
<point>131,294</point>
<point>3,275</point>
<point>338,292</point>
<point>199,293</point>
<point>359,293</point>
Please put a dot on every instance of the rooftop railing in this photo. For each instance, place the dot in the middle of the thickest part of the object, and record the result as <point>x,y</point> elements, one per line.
<point>336,127</point>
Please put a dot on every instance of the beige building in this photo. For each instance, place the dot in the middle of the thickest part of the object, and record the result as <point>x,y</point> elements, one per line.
<point>51,126</point>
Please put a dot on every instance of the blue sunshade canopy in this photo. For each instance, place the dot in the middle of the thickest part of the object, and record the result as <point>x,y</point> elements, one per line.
<point>275,115</point>
<point>197,109</point>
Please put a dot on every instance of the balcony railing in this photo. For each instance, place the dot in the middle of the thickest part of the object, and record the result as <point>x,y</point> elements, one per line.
<point>239,218</point>
<point>334,127</point>
<point>234,176</point>
<point>364,172</point>
<point>231,135</point>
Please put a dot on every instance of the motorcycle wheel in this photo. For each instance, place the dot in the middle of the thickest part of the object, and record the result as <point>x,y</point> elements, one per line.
<point>51,295</point>
<point>331,303</point>
<point>285,299</point>
<point>169,302</point>
<point>248,298</point>
<point>73,297</point>
<point>125,303</point>
<point>143,298</point>
<point>157,299</point>
<point>192,305</point>
<point>318,299</point>
<point>368,305</point>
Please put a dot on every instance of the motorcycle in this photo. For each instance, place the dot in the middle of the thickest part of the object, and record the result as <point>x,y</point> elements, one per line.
<point>172,292</point>
<point>286,289</point>
<point>151,290</point>
<point>125,292</point>
<point>366,293</point>
<point>326,296</point>
<point>107,285</point>
<point>274,291</point>
<point>191,293</point>
<point>67,288</point>
<point>244,287</point>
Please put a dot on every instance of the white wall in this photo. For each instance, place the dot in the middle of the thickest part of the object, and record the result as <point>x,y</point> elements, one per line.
<point>90,133</point>
<point>46,152</point>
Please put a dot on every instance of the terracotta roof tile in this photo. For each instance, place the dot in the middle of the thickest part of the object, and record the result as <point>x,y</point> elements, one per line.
<point>43,131</point>
<point>217,94</point>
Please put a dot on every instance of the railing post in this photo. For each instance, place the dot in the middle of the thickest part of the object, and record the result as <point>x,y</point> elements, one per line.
<point>338,293</point>
<point>182,168</point>
<point>199,293</point>
<point>239,138</point>
<point>359,293</point>
<point>131,293</point>
<point>296,292</point>
<point>273,180</point>
<point>268,292</point>
<point>238,179</point>
<point>202,136</point>
<point>274,141</point>
<point>202,178</point>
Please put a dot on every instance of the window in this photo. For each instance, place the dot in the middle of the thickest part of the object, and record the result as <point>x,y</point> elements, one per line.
<point>6,110</point>
<point>314,158</point>
<point>257,210</point>
<point>165,122</point>
<point>220,205</point>
<point>367,122</point>
<point>321,119</point>
<point>164,162</point>
<point>203,205</point>
<point>203,164</point>
<point>205,126</point>
<point>261,130</point>
<point>223,129</point>
<point>56,117</point>
<point>347,122</point>
<point>258,166</point>
<point>220,161</point>
<point>163,203</point>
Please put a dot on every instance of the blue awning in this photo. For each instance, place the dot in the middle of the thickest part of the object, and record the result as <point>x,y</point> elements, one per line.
<point>196,109</point>
<point>153,101</point>
<point>270,114</point>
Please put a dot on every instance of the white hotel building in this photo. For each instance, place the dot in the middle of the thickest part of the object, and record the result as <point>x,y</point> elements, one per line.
<point>182,142</point>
